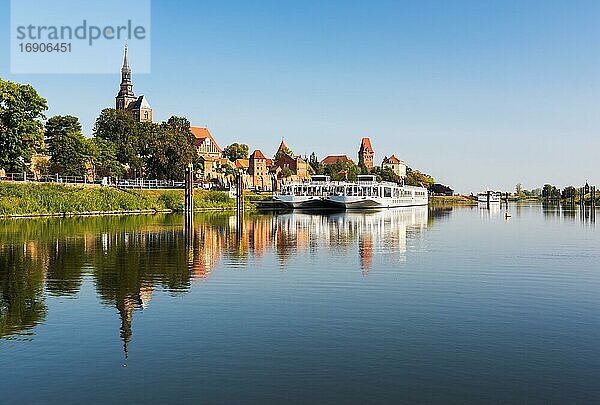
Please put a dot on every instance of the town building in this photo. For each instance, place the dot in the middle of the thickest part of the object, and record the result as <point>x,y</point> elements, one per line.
<point>258,171</point>
<point>126,99</point>
<point>205,143</point>
<point>365,154</point>
<point>398,166</point>
<point>333,159</point>
<point>287,163</point>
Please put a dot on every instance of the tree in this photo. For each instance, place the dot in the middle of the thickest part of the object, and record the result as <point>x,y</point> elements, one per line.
<point>340,170</point>
<point>170,149</point>
<point>129,137</point>
<point>236,151</point>
<point>569,192</point>
<point>550,192</point>
<point>416,178</point>
<point>67,146</point>
<point>286,172</point>
<point>519,189</point>
<point>103,157</point>
<point>386,174</point>
<point>21,112</point>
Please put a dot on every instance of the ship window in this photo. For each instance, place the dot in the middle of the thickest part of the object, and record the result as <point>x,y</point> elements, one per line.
<point>387,192</point>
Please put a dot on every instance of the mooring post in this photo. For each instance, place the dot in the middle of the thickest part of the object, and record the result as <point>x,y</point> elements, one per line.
<point>189,191</point>
<point>239,204</point>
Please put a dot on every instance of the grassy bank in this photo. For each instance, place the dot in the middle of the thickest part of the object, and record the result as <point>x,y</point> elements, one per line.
<point>46,199</point>
<point>451,200</point>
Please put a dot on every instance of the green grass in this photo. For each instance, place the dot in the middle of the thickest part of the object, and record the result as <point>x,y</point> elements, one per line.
<point>451,200</point>
<point>39,199</point>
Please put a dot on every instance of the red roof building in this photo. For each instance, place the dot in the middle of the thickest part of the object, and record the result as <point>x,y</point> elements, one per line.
<point>205,143</point>
<point>333,159</point>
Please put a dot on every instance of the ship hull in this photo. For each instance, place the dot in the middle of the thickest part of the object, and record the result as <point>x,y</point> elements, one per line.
<point>365,203</point>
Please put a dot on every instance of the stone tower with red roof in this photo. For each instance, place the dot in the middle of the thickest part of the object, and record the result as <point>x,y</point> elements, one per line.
<point>365,154</point>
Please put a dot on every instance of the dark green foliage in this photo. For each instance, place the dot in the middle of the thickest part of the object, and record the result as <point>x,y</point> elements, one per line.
<point>170,149</point>
<point>569,192</point>
<point>69,150</point>
<point>550,192</point>
<point>236,151</point>
<point>386,174</point>
<point>128,136</point>
<point>21,112</point>
<point>340,171</point>
<point>416,178</point>
<point>103,157</point>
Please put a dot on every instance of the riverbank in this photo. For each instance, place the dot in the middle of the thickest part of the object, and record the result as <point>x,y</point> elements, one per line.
<point>35,199</point>
<point>451,200</point>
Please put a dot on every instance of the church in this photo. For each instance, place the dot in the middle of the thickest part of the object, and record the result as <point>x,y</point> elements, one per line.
<point>126,99</point>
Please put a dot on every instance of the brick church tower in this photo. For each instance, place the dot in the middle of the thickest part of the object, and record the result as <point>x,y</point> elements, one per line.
<point>365,154</point>
<point>126,99</point>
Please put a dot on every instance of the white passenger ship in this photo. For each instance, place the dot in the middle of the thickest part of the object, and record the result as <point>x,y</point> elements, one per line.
<point>367,193</point>
<point>489,196</point>
<point>305,195</point>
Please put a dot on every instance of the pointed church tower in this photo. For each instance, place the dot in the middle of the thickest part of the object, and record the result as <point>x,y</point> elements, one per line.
<point>126,99</point>
<point>125,96</point>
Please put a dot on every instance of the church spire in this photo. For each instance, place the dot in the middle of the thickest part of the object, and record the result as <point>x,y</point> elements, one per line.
<point>125,61</point>
<point>126,94</point>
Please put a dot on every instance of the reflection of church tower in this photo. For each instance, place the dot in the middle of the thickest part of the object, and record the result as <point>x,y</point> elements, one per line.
<point>126,307</point>
<point>126,99</point>
<point>365,251</point>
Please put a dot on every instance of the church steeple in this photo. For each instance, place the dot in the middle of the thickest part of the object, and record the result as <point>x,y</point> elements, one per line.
<point>126,100</point>
<point>126,94</point>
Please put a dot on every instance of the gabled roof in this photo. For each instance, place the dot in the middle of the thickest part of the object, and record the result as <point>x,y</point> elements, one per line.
<point>269,162</point>
<point>365,144</point>
<point>141,102</point>
<point>333,159</point>
<point>282,146</point>
<point>392,160</point>
<point>201,133</point>
<point>257,154</point>
<point>241,163</point>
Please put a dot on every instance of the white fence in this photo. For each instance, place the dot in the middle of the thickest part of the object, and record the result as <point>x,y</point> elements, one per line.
<point>139,183</point>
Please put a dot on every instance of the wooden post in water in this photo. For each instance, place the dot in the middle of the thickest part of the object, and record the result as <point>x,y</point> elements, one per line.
<point>239,203</point>
<point>593,208</point>
<point>189,191</point>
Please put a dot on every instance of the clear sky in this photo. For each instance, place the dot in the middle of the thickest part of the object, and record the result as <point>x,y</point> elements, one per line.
<point>477,93</point>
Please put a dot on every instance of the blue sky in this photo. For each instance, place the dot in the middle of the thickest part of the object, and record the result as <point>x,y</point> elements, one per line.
<point>477,93</point>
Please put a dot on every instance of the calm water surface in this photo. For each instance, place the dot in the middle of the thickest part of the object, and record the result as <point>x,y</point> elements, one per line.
<point>402,306</point>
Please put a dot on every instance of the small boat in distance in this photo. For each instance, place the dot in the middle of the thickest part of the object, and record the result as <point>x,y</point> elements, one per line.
<point>489,197</point>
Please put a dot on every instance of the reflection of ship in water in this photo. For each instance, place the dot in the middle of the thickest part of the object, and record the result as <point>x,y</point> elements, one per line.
<point>384,231</point>
<point>489,210</point>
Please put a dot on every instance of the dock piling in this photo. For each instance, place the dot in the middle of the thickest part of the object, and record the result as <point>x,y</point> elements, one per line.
<point>189,191</point>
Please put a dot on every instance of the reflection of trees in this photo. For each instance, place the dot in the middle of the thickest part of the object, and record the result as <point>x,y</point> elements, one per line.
<point>65,262</point>
<point>21,290</point>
